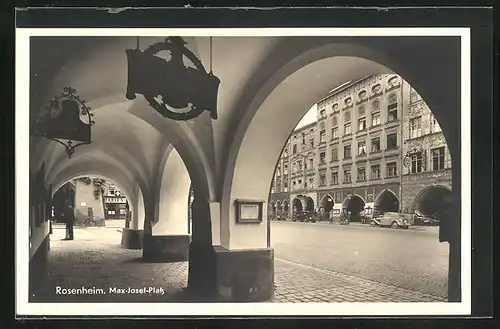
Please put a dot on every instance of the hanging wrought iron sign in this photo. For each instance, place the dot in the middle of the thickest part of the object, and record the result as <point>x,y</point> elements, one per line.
<point>173,89</point>
<point>419,154</point>
<point>61,121</point>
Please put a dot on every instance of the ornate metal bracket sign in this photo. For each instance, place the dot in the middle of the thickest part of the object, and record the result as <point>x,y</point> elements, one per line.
<point>412,152</point>
<point>61,121</point>
<point>173,89</point>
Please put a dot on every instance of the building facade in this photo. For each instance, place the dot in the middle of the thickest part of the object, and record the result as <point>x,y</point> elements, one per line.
<point>375,147</point>
<point>115,202</point>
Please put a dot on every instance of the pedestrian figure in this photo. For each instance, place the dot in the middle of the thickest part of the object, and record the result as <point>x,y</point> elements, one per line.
<point>69,216</point>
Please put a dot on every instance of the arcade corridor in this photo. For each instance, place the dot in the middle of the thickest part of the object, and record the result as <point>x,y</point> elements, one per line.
<point>95,259</point>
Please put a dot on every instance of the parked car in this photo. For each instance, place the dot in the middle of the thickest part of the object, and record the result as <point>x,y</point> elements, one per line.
<point>421,219</point>
<point>304,216</point>
<point>392,219</point>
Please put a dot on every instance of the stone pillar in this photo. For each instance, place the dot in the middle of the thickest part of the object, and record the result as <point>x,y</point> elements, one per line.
<point>455,242</point>
<point>133,236</point>
<point>202,275</point>
<point>168,241</point>
<point>244,262</point>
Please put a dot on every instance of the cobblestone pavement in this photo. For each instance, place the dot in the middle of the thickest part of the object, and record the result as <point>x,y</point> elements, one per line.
<point>409,259</point>
<point>95,259</point>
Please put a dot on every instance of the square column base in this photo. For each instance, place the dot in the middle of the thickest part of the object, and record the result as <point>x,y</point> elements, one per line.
<point>132,239</point>
<point>165,248</point>
<point>38,270</point>
<point>244,275</point>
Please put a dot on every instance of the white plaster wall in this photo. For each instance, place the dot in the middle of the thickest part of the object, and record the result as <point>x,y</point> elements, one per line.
<point>84,199</point>
<point>138,219</point>
<point>173,198</point>
<point>37,236</point>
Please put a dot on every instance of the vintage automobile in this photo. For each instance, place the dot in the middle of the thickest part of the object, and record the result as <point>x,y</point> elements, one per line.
<point>304,216</point>
<point>391,219</point>
<point>421,219</point>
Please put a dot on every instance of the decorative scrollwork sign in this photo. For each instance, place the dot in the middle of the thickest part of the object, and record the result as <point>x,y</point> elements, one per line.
<point>176,91</point>
<point>61,121</point>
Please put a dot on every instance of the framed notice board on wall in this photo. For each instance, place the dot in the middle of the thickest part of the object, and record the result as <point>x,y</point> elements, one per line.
<point>249,211</point>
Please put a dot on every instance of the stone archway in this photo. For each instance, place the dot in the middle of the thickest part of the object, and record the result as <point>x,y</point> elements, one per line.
<point>63,196</point>
<point>353,205</point>
<point>286,208</point>
<point>296,205</point>
<point>433,201</point>
<point>309,204</point>
<point>326,207</point>
<point>385,201</point>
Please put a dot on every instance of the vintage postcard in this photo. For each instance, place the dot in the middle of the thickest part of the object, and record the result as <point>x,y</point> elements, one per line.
<point>278,171</point>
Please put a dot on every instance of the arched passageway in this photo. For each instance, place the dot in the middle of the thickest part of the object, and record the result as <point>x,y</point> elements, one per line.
<point>294,73</point>
<point>433,201</point>
<point>352,206</point>
<point>309,204</point>
<point>296,205</point>
<point>326,207</point>
<point>386,201</point>
<point>285,208</point>
<point>63,197</point>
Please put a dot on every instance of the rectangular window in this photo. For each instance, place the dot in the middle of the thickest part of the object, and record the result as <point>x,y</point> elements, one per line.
<point>311,182</point>
<point>338,196</point>
<point>375,172</point>
<point>334,121</point>
<point>112,192</point>
<point>294,149</point>
<point>361,174</point>
<point>361,148</point>
<point>375,145</point>
<point>391,169</point>
<point>335,177</point>
<point>437,158</point>
<point>347,152</point>
<point>375,119</point>
<point>311,163</point>
<point>322,138</point>
<point>335,133</point>
<point>416,163</point>
<point>322,157</point>
<point>362,124</point>
<point>416,127</point>
<point>347,129</point>
<point>311,142</point>
<point>347,176</point>
<point>392,141</point>
<point>322,180</point>
<point>335,154</point>
<point>434,125</point>
<point>392,112</point>
<point>111,212</point>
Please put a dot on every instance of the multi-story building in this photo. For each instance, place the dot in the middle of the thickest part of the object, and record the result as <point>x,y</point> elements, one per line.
<point>115,203</point>
<point>366,152</point>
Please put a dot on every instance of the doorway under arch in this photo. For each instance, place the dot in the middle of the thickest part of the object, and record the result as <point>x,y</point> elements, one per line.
<point>286,209</point>
<point>309,204</point>
<point>296,205</point>
<point>353,205</point>
<point>433,200</point>
<point>63,197</point>
<point>386,201</point>
<point>326,206</point>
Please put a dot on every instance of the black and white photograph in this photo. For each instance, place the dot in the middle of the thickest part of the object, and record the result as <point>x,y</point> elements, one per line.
<point>290,171</point>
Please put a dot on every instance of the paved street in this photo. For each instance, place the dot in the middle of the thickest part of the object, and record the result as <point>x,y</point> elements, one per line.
<point>412,259</point>
<point>309,266</point>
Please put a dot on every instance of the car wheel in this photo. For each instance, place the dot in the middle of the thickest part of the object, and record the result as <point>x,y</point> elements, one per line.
<point>394,225</point>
